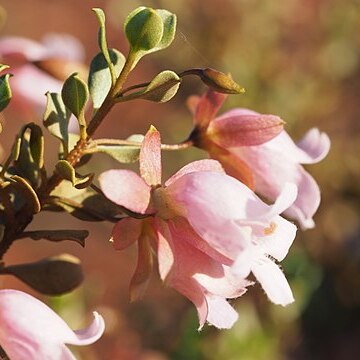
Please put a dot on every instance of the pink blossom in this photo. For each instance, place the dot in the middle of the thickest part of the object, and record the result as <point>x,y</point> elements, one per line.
<point>253,148</point>
<point>199,223</point>
<point>29,84</point>
<point>30,330</point>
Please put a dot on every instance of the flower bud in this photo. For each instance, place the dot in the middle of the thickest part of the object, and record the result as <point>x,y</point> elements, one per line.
<point>144,29</point>
<point>220,82</point>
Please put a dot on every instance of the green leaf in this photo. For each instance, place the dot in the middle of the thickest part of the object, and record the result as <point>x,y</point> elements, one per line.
<point>100,78</point>
<point>144,29</point>
<point>32,200</point>
<point>56,118</point>
<point>103,42</point>
<point>28,151</point>
<point>125,154</point>
<point>75,94</point>
<point>169,22</point>
<point>5,91</point>
<point>51,276</point>
<point>65,169</point>
<point>85,204</point>
<point>78,236</point>
<point>163,87</point>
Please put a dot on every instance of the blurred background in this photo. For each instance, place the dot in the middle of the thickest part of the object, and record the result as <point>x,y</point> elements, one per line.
<point>299,59</point>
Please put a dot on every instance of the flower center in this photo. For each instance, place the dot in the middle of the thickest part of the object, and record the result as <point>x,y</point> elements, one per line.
<point>165,207</point>
<point>271,229</point>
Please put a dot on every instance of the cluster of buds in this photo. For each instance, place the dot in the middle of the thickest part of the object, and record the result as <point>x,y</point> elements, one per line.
<point>210,233</point>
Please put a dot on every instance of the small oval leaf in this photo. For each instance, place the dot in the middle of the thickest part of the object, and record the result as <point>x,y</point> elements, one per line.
<point>100,78</point>
<point>51,276</point>
<point>56,118</point>
<point>75,94</point>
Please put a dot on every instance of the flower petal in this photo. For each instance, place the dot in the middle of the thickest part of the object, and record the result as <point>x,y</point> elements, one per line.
<point>126,188</point>
<point>125,233</point>
<point>212,213</point>
<point>307,201</point>
<point>17,48</point>
<point>165,251</point>
<point>142,274</point>
<point>232,164</point>
<point>89,334</point>
<point>273,281</point>
<point>278,243</point>
<point>315,144</point>
<point>200,165</point>
<point>207,108</point>
<point>238,129</point>
<point>272,170</point>
<point>150,158</point>
<point>29,329</point>
<point>220,314</point>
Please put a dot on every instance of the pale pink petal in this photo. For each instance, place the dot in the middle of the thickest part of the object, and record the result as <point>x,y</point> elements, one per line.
<point>315,144</point>
<point>272,171</point>
<point>286,198</point>
<point>63,46</point>
<point>143,271</point>
<point>243,262</point>
<point>165,251</point>
<point>181,227</point>
<point>125,233</point>
<point>19,48</point>
<point>273,281</point>
<point>29,86</point>
<point>89,334</point>
<point>199,277</point>
<point>238,129</point>
<point>232,164</point>
<point>126,188</point>
<point>193,291</point>
<point>200,165</point>
<point>221,313</point>
<point>31,330</point>
<point>313,147</point>
<point>307,201</point>
<point>207,108</point>
<point>150,158</point>
<point>227,286</point>
<point>212,213</point>
<point>281,237</point>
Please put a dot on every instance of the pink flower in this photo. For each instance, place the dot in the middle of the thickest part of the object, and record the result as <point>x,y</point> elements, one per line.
<point>253,148</point>
<point>198,223</point>
<point>31,330</point>
<point>29,84</point>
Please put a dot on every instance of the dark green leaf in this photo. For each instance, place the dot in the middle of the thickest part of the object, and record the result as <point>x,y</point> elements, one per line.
<point>52,276</point>
<point>32,200</point>
<point>28,151</point>
<point>78,236</point>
